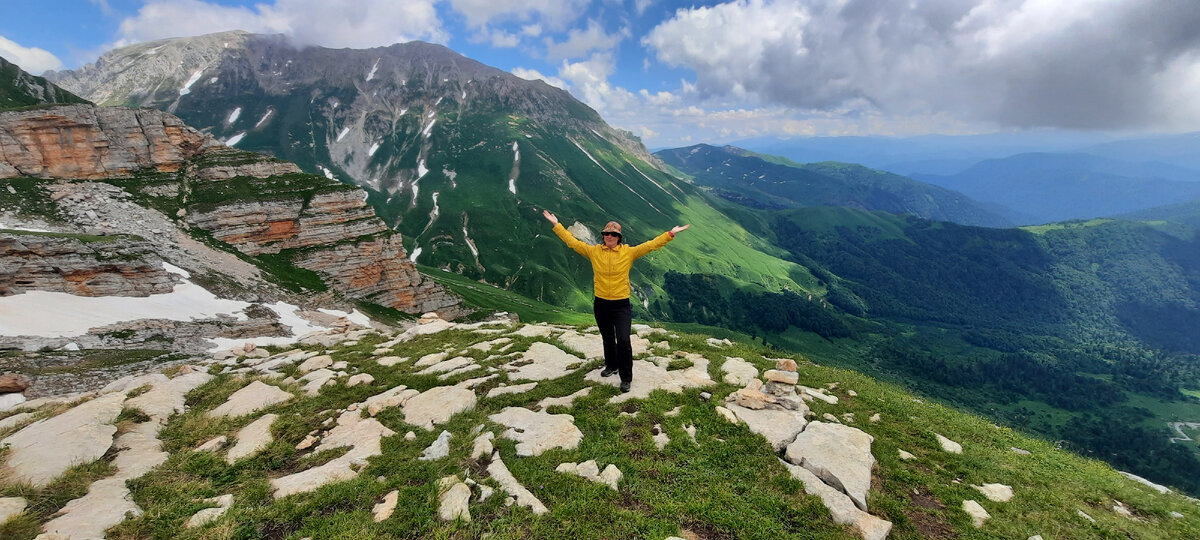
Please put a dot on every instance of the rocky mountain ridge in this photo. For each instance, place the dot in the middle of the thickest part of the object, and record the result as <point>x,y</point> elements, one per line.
<point>113,193</point>
<point>21,89</point>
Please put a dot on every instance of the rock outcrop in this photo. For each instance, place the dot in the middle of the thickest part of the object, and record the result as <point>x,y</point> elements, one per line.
<point>84,141</point>
<point>74,265</point>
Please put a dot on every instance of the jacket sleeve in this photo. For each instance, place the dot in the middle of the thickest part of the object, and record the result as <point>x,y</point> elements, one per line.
<point>572,242</point>
<point>651,245</point>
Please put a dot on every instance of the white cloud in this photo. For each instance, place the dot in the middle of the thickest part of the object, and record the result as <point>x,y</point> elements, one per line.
<point>555,14</point>
<point>533,75</point>
<point>30,59</point>
<point>1084,64</point>
<point>350,23</point>
<point>531,30</point>
<point>501,39</point>
<point>581,42</point>
<point>640,6</point>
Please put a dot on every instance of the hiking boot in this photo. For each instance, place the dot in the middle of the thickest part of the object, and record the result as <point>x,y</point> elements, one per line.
<point>607,372</point>
<point>625,386</point>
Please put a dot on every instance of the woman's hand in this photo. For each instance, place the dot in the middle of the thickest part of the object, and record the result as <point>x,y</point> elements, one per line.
<point>678,229</point>
<point>550,217</point>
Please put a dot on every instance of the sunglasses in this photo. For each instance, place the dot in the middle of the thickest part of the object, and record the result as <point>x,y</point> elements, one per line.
<point>611,234</point>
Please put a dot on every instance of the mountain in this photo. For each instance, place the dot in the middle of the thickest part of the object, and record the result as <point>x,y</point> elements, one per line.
<point>459,157</point>
<point>1044,187</point>
<point>765,181</point>
<point>20,89</point>
<point>1181,150</point>
<point>117,202</point>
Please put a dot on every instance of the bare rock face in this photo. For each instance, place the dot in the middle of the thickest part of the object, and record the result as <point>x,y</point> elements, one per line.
<point>84,141</point>
<point>268,226</point>
<point>33,262</point>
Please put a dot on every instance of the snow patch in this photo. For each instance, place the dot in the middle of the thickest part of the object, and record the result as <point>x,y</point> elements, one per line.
<point>264,118</point>
<point>235,139</point>
<point>427,129</point>
<point>343,133</point>
<point>421,169</point>
<point>170,268</point>
<point>371,151</point>
<point>470,243</point>
<point>436,103</point>
<point>288,316</point>
<point>450,175</point>
<point>416,252</point>
<point>328,173</point>
<point>371,75</point>
<point>55,314</point>
<point>356,316</point>
<point>464,95</point>
<point>212,80</point>
<point>233,116</point>
<point>187,86</point>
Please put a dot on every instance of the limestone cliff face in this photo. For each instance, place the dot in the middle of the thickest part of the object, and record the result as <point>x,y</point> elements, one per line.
<point>88,142</point>
<point>110,267</point>
<point>328,225</point>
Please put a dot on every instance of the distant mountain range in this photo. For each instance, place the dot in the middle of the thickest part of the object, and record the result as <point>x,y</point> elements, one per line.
<point>770,182</point>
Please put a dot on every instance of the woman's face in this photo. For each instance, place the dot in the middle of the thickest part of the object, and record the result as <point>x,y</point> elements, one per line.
<point>611,240</point>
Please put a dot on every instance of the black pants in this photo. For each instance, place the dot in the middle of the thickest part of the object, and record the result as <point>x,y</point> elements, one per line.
<point>614,318</point>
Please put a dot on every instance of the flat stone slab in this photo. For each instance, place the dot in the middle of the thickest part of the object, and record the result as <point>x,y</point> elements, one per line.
<point>11,506</point>
<point>565,401</point>
<point>839,455</point>
<point>106,503</point>
<point>591,471</point>
<point>43,450</point>
<point>648,377</point>
<point>439,449</point>
<point>535,330</point>
<point>514,389</point>
<point>436,405</point>
<point>778,427</point>
<point>253,438</point>
<point>996,492</point>
<point>166,397</point>
<point>392,397</point>
<point>541,362</point>
<point>500,473</point>
<point>738,371</point>
<point>444,366</point>
<point>843,510</point>
<point>536,432</point>
<point>452,499</point>
<point>591,346</point>
<point>362,435</point>
<point>252,397</point>
<point>948,445</point>
<point>315,363</point>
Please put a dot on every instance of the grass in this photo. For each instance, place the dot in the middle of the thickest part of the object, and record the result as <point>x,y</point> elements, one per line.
<point>728,484</point>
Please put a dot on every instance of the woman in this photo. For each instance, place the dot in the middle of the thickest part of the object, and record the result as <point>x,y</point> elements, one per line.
<point>611,262</point>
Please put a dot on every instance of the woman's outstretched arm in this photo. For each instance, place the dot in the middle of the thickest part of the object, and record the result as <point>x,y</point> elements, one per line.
<point>550,217</point>
<point>656,243</point>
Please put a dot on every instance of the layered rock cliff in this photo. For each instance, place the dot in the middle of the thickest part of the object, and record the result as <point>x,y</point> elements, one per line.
<point>253,203</point>
<point>80,265</point>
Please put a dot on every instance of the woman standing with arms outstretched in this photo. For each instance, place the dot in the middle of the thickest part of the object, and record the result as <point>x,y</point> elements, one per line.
<point>611,262</point>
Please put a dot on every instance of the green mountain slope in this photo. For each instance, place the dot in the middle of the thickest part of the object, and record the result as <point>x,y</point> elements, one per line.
<point>459,157</point>
<point>764,181</point>
<point>20,89</point>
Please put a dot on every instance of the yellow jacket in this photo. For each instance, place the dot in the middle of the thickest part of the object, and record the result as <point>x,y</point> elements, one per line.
<point>610,267</point>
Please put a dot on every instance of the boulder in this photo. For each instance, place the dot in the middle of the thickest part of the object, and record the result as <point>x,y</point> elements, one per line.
<point>778,427</point>
<point>948,445</point>
<point>839,455</point>
<point>439,449</point>
<point>452,499</point>
<point>13,382</point>
<point>977,513</point>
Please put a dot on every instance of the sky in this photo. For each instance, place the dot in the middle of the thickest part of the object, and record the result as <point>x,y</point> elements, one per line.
<point>677,73</point>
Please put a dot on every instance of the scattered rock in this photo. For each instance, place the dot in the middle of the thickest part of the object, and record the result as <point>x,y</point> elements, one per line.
<point>315,363</point>
<point>650,377</point>
<point>996,492</point>
<point>43,450</point>
<point>392,397</point>
<point>565,401</point>
<point>482,447</point>
<point>439,449</point>
<point>779,427</point>
<point>252,438</point>
<point>738,371</point>
<point>660,437</point>
<point>361,378</point>
<point>841,507</point>
<point>13,382</point>
<point>537,432</point>
<point>839,455</point>
<point>541,362</point>
<point>977,513</point>
<point>11,506</point>
<point>214,444</point>
<point>253,397</point>
<point>384,509</point>
<point>949,445</point>
<point>674,412</point>
<point>389,361</point>
<point>906,456</point>
<point>514,389</point>
<point>499,472</point>
<point>1081,514</point>
<point>705,396</point>
<point>785,364</point>
<point>362,435</point>
<point>785,377</point>
<point>453,498</point>
<point>436,405</point>
<point>727,414</point>
<point>1020,451</point>
<point>589,470</point>
<point>208,515</point>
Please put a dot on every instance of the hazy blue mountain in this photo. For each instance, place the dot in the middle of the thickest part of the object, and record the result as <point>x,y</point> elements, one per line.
<point>1181,150</point>
<point>769,182</point>
<point>1056,187</point>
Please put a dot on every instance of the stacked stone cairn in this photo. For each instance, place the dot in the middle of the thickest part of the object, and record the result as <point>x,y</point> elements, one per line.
<point>778,393</point>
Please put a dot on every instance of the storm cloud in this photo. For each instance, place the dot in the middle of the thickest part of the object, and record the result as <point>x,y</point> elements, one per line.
<point>1077,64</point>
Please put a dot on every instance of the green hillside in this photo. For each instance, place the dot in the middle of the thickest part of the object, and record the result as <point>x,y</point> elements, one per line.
<point>20,89</point>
